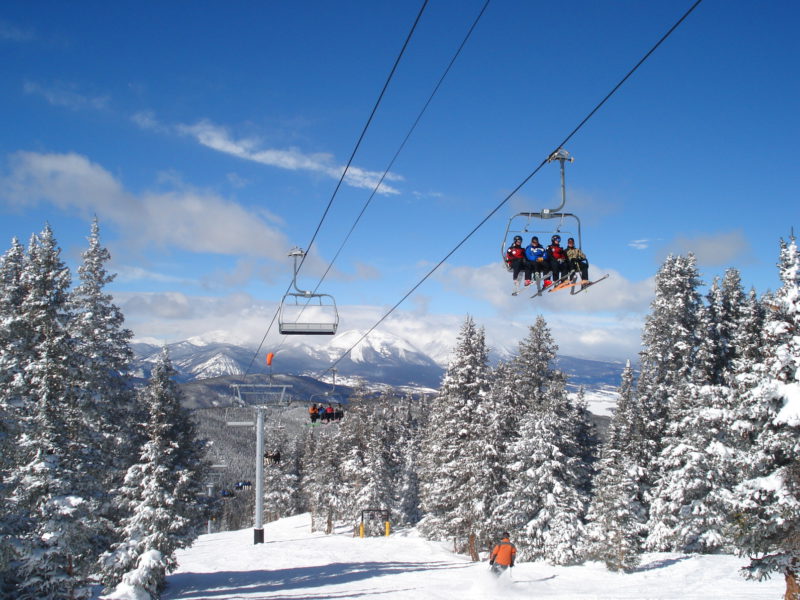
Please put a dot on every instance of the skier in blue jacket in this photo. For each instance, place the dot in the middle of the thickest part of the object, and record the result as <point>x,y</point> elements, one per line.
<point>537,256</point>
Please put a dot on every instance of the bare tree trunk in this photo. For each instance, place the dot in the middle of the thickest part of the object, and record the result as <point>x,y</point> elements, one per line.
<point>329,524</point>
<point>473,552</point>
<point>792,587</point>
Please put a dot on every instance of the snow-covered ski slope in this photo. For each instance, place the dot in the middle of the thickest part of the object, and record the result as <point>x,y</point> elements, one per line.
<point>294,563</point>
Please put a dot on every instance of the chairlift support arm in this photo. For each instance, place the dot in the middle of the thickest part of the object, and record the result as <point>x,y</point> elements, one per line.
<point>562,156</point>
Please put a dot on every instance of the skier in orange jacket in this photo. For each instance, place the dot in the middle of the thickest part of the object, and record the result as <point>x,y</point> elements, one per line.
<point>503,555</point>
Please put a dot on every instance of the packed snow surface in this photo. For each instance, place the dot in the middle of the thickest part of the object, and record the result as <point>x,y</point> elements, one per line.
<point>294,563</point>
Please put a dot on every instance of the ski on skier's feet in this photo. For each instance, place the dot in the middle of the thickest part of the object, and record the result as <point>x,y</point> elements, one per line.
<point>585,286</point>
<point>541,288</point>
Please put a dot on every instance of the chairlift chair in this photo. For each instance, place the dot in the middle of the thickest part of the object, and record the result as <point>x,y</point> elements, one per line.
<point>547,223</point>
<point>542,222</point>
<point>324,314</point>
<point>239,416</point>
<point>330,397</point>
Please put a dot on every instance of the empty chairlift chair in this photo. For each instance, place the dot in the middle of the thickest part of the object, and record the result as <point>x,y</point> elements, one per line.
<point>316,315</point>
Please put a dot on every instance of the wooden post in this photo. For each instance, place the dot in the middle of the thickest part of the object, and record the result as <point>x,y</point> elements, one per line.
<point>792,587</point>
<point>473,552</point>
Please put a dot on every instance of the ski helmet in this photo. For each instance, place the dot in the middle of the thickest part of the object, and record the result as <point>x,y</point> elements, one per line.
<point>555,238</point>
<point>517,238</point>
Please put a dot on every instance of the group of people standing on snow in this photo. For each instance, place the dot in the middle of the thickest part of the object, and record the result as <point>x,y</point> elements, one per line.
<point>551,264</point>
<point>325,414</point>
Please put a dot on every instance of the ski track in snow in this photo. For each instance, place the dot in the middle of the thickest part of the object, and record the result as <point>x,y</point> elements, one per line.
<point>295,564</point>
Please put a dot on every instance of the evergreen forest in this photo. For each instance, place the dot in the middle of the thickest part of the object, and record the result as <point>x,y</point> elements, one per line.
<point>103,478</point>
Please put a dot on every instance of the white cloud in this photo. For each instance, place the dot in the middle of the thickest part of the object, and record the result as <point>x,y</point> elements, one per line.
<point>127,273</point>
<point>174,317</point>
<point>218,138</point>
<point>712,249</point>
<point>172,306</point>
<point>147,120</point>
<point>641,244</point>
<point>187,219</point>
<point>66,96</point>
<point>493,283</point>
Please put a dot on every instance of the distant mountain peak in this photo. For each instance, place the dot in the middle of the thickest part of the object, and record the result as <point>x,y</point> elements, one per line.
<point>380,358</point>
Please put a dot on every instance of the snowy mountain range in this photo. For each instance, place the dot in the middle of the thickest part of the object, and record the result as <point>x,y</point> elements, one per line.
<point>378,359</point>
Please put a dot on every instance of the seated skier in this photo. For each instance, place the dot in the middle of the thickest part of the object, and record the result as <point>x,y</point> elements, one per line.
<point>578,261</point>
<point>516,262</point>
<point>558,259</point>
<point>537,256</point>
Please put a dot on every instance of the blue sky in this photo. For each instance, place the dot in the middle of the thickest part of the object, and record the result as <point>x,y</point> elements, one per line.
<point>208,138</point>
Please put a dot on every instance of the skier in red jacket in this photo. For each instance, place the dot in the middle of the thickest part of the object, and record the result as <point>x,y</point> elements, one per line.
<point>516,262</point>
<point>558,258</point>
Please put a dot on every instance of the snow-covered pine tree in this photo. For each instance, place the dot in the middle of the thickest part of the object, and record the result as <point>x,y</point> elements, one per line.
<point>279,486</point>
<point>748,343</point>
<point>280,479</point>
<point>98,328</point>
<point>162,493</point>
<point>107,407</point>
<point>546,501</point>
<point>732,317</point>
<point>669,340</point>
<point>49,485</point>
<point>378,482</point>
<point>323,487</point>
<point>586,440</point>
<point>695,474</point>
<point>616,514</point>
<point>517,391</point>
<point>690,501</point>
<point>546,497</point>
<point>533,367</point>
<point>349,446</point>
<point>11,295</point>
<point>718,323</point>
<point>707,367</point>
<point>456,480</point>
<point>768,501</point>
<point>404,442</point>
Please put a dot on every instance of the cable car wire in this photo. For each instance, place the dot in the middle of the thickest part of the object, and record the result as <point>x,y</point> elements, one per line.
<point>397,153</point>
<point>346,168</point>
<point>399,150</point>
<point>403,143</point>
<point>522,183</point>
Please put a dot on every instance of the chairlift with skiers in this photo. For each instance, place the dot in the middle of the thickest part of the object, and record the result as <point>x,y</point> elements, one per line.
<point>549,223</point>
<point>327,406</point>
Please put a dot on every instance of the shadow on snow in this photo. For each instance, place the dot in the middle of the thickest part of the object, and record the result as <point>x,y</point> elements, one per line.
<point>227,583</point>
<point>660,564</point>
